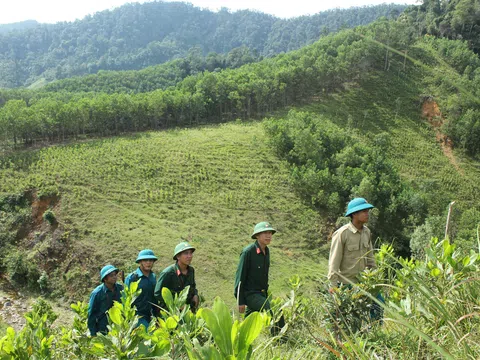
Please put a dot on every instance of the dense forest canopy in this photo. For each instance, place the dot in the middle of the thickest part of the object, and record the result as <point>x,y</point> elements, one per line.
<point>454,19</point>
<point>135,36</point>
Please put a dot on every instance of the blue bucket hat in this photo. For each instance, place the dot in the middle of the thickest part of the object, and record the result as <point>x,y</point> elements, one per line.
<point>106,270</point>
<point>146,254</point>
<point>357,204</point>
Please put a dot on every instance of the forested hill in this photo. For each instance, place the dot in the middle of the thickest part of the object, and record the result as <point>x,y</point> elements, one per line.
<point>21,25</point>
<point>135,36</point>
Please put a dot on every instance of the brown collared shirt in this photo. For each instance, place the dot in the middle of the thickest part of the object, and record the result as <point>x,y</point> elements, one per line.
<point>350,253</point>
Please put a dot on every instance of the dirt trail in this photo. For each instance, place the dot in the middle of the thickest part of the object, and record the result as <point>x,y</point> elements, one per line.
<point>431,112</point>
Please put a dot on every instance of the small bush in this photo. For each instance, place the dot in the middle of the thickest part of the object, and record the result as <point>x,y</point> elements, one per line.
<point>50,217</point>
<point>21,270</point>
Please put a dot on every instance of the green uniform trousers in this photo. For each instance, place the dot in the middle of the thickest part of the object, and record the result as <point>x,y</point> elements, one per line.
<point>256,302</point>
<point>259,302</point>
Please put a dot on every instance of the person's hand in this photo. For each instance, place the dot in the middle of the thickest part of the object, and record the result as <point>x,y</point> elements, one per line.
<point>332,290</point>
<point>195,301</point>
<point>241,309</point>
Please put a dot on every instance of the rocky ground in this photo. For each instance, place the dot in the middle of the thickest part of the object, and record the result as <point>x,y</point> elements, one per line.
<point>12,310</point>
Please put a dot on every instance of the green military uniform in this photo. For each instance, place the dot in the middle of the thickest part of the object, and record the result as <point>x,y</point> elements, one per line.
<point>173,279</point>
<point>350,253</point>
<point>251,280</point>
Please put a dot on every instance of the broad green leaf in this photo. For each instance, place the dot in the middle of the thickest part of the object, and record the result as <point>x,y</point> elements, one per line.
<point>249,330</point>
<point>115,315</point>
<point>234,335</point>
<point>225,322</point>
<point>171,323</point>
<point>161,348</point>
<point>222,340</point>
<point>168,298</point>
<point>134,286</point>
<point>435,272</point>
<point>182,297</point>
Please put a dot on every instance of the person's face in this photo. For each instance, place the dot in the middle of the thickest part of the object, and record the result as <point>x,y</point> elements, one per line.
<point>264,238</point>
<point>146,265</point>
<point>361,216</point>
<point>185,257</point>
<point>110,279</point>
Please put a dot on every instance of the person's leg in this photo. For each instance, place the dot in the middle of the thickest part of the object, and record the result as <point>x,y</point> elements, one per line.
<point>259,302</point>
<point>256,302</point>
<point>376,311</point>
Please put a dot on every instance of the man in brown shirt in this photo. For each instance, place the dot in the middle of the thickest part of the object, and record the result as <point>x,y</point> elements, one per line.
<point>351,250</point>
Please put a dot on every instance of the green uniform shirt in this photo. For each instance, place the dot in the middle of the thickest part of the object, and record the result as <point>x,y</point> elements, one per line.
<point>350,253</point>
<point>173,279</point>
<point>252,272</point>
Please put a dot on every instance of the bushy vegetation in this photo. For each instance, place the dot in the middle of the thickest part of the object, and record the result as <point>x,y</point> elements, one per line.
<point>330,165</point>
<point>155,77</point>
<point>430,312</point>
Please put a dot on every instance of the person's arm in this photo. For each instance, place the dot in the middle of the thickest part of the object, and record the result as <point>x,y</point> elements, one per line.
<point>240,278</point>
<point>195,298</point>
<point>163,281</point>
<point>335,258</point>
<point>92,318</point>
<point>194,285</point>
<point>371,255</point>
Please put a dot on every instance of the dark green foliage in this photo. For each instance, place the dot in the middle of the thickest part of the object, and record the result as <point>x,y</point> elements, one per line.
<point>331,165</point>
<point>458,19</point>
<point>49,216</point>
<point>21,270</point>
<point>155,77</point>
<point>135,36</point>
<point>252,90</point>
<point>434,227</point>
<point>21,25</point>
<point>15,213</point>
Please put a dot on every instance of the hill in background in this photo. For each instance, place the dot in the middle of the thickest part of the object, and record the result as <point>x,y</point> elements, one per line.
<point>135,36</point>
<point>19,26</point>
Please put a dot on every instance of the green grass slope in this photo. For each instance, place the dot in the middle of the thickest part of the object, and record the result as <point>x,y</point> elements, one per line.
<point>209,185</point>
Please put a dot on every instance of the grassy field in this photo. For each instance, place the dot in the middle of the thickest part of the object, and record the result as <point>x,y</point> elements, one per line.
<point>208,185</point>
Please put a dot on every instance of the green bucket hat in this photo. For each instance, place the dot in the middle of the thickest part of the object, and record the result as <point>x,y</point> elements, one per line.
<point>107,270</point>
<point>146,254</point>
<point>181,248</point>
<point>261,227</point>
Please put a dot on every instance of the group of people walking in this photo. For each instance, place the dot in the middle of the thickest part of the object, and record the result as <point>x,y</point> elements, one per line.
<point>351,252</point>
<point>175,277</point>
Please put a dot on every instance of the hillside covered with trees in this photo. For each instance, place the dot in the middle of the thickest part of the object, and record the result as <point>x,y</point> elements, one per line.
<point>135,36</point>
<point>388,111</point>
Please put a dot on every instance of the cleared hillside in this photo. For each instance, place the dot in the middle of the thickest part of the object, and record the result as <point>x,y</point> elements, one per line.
<point>114,197</point>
